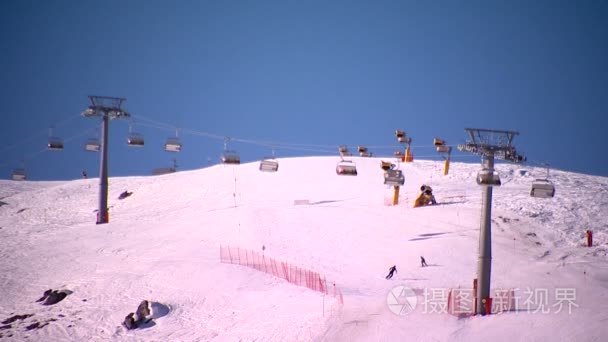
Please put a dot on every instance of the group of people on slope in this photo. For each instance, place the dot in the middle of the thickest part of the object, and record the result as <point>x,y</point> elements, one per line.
<point>393,269</point>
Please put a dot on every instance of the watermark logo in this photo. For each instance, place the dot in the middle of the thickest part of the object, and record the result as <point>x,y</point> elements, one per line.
<point>401,300</point>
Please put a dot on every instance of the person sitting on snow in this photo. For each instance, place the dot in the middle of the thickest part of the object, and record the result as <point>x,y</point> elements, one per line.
<point>425,198</point>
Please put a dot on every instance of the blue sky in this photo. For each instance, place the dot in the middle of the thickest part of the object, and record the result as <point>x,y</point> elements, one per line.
<point>320,73</point>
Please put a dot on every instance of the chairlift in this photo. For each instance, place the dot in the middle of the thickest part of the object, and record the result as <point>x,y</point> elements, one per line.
<point>542,188</point>
<point>394,177</point>
<point>386,165</point>
<point>344,152</point>
<point>230,157</point>
<point>55,144</point>
<point>346,168</point>
<point>135,140</point>
<point>162,171</point>
<point>363,151</point>
<point>400,136</point>
<point>443,148</point>
<point>165,170</point>
<point>19,174</point>
<point>269,164</point>
<point>92,145</point>
<point>485,177</point>
<point>173,145</point>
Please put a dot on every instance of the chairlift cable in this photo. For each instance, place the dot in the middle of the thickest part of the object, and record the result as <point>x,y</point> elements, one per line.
<point>317,148</point>
<point>85,132</point>
<point>159,124</point>
<point>33,155</point>
<point>149,125</point>
<point>37,135</point>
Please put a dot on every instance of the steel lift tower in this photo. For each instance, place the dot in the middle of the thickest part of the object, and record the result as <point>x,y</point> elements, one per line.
<point>107,108</point>
<point>489,144</point>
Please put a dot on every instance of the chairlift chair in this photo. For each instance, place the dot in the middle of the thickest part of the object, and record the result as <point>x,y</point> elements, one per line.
<point>363,151</point>
<point>230,157</point>
<point>485,177</point>
<point>173,145</point>
<point>542,188</point>
<point>346,168</point>
<point>92,145</point>
<point>19,175</point>
<point>163,171</point>
<point>394,177</point>
<point>443,148</point>
<point>386,165</point>
<point>344,152</point>
<point>269,164</point>
<point>135,140</point>
<point>400,136</point>
<point>55,144</point>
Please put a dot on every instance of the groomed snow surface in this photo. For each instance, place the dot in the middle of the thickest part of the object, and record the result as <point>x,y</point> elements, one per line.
<point>162,244</point>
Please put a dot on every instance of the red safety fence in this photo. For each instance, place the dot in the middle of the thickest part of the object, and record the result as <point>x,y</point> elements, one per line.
<point>292,273</point>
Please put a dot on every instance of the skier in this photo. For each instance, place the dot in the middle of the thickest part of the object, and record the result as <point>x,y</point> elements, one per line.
<point>84,174</point>
<point>422,262</point>
<point>391,271</point>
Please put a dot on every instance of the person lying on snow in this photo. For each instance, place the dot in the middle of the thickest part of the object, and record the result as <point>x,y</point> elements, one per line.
<point>124,195</point>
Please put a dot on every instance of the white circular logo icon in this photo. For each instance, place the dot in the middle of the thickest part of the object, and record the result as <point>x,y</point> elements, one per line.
<point>401,300</point>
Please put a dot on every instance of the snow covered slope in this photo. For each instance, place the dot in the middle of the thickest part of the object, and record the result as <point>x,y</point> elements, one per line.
<point>162,244</point>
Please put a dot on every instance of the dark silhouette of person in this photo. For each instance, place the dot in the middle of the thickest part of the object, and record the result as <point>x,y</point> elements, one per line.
<point>84,174</point>
<point>124,194</point>
<point>423,262</point>
<point>391,271</point>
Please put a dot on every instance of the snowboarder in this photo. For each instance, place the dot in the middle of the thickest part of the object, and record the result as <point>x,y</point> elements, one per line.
<point>84,174</point>
<point>391,271</point>
<point>423,262</point>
